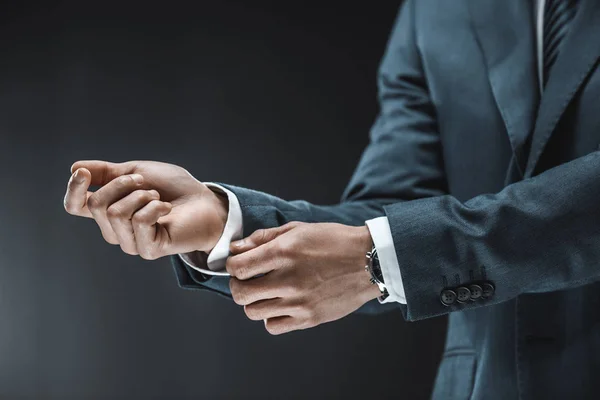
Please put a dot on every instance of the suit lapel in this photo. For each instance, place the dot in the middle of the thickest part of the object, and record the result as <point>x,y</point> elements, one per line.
<point>580,52</point>
<point>506,34</point>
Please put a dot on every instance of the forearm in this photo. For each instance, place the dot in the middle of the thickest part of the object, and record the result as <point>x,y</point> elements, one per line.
<point>262,210</point>
<point>189,270</point>
<point>537,235</point>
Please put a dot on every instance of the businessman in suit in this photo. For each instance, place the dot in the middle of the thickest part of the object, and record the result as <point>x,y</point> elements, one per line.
<point>478,197</point>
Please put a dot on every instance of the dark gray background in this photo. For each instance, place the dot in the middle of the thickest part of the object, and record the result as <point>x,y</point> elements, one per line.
<point>274,96</point>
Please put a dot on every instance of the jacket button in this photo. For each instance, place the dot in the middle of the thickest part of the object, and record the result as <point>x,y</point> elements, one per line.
<point>488,290</point>
<point>448,297</point>
<point>463,294</point>
<point>476,291</point>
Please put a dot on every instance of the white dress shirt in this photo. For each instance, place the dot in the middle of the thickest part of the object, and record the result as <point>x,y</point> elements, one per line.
<point>378,227</point>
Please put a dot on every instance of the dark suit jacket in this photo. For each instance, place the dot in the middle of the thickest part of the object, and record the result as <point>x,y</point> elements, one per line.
<point>483,179</point>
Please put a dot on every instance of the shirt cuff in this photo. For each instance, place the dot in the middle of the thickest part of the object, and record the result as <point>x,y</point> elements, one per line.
<point>233,231</point>
<point>388,261</point>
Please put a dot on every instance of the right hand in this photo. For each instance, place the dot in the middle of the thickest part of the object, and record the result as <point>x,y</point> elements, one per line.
<point>167,212</point>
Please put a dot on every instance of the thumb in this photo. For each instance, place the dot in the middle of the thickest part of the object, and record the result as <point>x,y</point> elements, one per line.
<point>260,237</point>
<point>104,171</point>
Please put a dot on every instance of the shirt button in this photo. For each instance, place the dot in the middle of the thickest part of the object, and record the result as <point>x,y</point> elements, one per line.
<point>448,297</point>
<point>463,294</point>
<point>476,291</point>
<point>488,290</point>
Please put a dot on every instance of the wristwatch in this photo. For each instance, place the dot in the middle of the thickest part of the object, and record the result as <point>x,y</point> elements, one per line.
<point>374,269</point>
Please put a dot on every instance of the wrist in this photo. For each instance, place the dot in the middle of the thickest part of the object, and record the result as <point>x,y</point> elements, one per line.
<point>363,243</point>
<point>220,206</point>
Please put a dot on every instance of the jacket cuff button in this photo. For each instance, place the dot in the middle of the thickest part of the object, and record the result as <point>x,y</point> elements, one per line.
<point>463,294</point>
<point>448,297</point>
<point>476,291</point>
<point>488,290</point>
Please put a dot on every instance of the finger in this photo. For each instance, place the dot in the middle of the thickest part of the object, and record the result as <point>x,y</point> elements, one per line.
<point>120,213</point>
<point>257,261</point>
<point>103,172</point>
<point>108,194</point>
<point>253,290</point>
<point>260,237</point>
<point>152,239</point>
<point>271,308</point>
<point>283,324</point>
<point>76,197</point>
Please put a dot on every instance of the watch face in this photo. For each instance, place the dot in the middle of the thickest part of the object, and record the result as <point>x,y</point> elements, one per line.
<point>377,268</point>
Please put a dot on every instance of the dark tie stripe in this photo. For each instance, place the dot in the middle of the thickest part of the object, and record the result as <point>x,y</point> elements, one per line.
<point>558,15</point>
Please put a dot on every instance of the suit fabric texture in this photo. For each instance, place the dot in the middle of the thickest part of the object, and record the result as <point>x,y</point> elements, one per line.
<point>483,179</point>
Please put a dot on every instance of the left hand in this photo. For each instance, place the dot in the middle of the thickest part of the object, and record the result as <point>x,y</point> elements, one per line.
<point>313,273</point>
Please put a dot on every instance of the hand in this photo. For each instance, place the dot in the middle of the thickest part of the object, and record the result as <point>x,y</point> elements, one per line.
<point>149,208</point>
<point>313,273</point>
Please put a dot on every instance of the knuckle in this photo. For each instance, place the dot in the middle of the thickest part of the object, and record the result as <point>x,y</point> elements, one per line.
<point>148,254</point>
<point>307,323</point>
<point>94,202</point>
<point>238,270</point>
<point>253,313</point>
<point>145,215</point>
<point>302,310</point>
<point>110,239</point>
<point>271,328</point>
<point>124,181</point>
<point>259,235</point>
<point>239,297</point>
<point>242,272</point>
<point>128,250</point>
<point>287,247</point>
<point>242,298</point>
<point>114,212</point>
<point>232,266</point>
<point>276,329</point>
<point>305,310</point>
<point>143,196</point>
<point>313,318</point>
<point>292,288</point>
<point>139,217</point>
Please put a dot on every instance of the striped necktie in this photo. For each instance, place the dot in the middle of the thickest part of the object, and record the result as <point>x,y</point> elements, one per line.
<point>558,14</point>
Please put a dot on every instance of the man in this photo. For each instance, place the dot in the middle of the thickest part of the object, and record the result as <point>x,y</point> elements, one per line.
<point>479,193</point>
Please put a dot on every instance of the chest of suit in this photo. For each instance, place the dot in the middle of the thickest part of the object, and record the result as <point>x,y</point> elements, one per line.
<point>480,61</point>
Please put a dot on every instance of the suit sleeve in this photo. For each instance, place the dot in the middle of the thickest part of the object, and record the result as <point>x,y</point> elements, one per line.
<point>538,235</point>
<point>402,161</point>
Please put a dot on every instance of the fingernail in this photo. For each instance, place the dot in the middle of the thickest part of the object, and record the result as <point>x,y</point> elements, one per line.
<point>137,178</point>
<point>154,193</point>
<point>239,243</point>
<point>77,177</point>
